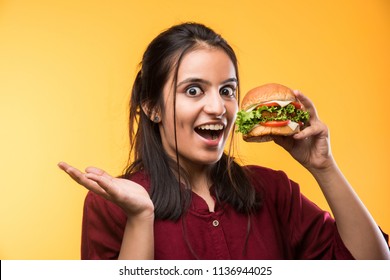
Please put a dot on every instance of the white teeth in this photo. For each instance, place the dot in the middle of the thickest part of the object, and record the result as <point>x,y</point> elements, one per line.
<point>211,127</point>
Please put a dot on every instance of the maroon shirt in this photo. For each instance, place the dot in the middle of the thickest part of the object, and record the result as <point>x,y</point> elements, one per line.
<point>288,226</point>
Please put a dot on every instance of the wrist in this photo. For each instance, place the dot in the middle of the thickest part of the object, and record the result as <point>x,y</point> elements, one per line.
<point>327,166</point>
<point>329,176</point>
<point>144,217</point>
<point>143,210</point>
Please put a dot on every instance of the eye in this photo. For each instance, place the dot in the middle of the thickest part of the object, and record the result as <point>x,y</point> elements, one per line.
<point>228,91</point>
<point>194,91</point>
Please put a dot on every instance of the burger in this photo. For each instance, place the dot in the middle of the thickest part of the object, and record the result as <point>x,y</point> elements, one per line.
<point>270,109</point>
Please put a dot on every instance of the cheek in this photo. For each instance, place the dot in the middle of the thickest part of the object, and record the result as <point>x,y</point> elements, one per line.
<point>232,109</point>
<point>183,121</point>
<point>186,113</point>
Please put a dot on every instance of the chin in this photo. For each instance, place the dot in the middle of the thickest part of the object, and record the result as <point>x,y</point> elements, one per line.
<point>207,159</point>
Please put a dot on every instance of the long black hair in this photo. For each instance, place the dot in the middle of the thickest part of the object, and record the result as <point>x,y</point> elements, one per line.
<point>169,194</point>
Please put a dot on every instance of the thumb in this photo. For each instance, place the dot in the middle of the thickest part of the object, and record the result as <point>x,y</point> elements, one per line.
<point>285,142</point>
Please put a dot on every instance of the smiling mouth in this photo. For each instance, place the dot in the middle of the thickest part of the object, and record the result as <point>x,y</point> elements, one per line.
<point>210,131</point>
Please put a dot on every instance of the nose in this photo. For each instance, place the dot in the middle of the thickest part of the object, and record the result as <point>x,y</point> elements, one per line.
<point>214,104</point>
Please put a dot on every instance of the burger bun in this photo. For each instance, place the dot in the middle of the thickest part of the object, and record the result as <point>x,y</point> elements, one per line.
<point>263,94</point>
<point>265,133</point>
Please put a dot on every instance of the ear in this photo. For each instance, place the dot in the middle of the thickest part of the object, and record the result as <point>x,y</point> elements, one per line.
<point>153,113</point>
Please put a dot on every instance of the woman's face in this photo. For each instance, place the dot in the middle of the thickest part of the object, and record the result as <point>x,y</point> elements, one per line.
<point>206,107</point>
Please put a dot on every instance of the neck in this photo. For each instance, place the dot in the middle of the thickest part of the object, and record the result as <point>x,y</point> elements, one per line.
<point>200,183</point>
<point>201,186</point>
<point>199,180</point>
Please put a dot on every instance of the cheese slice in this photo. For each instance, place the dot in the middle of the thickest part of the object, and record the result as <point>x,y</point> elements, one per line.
<point>279,102</point>
<point>293,125</point>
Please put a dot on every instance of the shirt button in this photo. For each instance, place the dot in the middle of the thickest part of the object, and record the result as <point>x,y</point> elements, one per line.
<point>215,223</point>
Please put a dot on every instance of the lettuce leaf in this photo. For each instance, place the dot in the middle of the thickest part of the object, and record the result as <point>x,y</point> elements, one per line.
<point>246,121</point>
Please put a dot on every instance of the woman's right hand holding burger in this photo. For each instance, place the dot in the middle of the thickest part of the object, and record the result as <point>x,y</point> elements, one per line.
<point>311,147</point>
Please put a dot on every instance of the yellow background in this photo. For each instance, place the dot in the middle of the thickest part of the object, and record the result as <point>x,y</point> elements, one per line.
<point>66,69</point>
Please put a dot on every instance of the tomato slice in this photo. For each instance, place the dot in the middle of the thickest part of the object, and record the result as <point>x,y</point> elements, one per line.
<point>275,123</point>
<point>297,105</point>
<point>269,104</point>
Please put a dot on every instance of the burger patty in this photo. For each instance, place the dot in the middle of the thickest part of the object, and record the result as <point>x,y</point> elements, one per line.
<point>267,114</point>
<point>272,115</point>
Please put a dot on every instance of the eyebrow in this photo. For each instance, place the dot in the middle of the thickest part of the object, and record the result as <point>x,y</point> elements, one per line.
<point>203,81</point>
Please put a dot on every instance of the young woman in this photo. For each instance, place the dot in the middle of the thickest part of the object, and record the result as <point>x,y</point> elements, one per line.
<point>183,197</point>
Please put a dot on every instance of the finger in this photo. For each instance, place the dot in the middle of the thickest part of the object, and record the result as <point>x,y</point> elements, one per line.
<point>73,172</point>
<point>282,140</point>
<point>86,182</point>
<point>307,103</point>
<point>79,177</point>
<point>63,165</point>
<point>104,182</point>
<point>316,129</point>
<point>303,98</point>
<point>300,136</point>
<point>285,142</point>
<point>306,133</point>
<point>98,171</point>
<point>105,186</point>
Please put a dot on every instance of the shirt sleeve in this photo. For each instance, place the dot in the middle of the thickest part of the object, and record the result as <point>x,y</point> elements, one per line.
<point>102,228</point>
<point>308,231</point>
